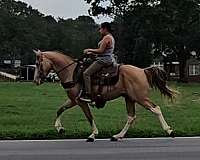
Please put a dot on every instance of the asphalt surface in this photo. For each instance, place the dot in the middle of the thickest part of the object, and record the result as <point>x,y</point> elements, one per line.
<point>127,149</point>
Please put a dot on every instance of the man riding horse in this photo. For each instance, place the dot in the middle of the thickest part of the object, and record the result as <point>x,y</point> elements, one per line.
<point>104,58</point>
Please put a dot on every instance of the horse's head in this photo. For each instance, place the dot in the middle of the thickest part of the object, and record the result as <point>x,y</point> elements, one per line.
<point>43,67</point>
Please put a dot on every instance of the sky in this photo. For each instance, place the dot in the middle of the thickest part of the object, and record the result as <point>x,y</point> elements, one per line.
<point>64,8</point>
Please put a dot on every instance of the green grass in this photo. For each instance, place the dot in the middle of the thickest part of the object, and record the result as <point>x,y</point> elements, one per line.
<point>28,112</point>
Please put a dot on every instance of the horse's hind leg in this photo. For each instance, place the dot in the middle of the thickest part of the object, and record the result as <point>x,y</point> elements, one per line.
<point>157,111</point>
<point>130,106</point>
<point>58,125</point>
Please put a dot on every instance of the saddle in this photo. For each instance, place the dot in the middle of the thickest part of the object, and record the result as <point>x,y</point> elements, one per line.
<point>108,75</point>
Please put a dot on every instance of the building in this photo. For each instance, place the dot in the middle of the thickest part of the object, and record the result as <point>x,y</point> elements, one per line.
<point>9,63</point>
<point>26,72</point>
<point>172,69</point>
<point>193,68</point>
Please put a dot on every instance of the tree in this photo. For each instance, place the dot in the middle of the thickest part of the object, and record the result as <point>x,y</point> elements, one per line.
<point>171,23</point>
<point>132,22</point>
<point>78,34</point>
<point>23,29</point>
<point>180,20</point>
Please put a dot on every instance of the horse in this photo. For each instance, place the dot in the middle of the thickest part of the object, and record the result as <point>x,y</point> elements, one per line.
<point>134,84</point>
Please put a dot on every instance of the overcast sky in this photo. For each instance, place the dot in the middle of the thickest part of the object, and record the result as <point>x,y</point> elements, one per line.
<point>63,8</point>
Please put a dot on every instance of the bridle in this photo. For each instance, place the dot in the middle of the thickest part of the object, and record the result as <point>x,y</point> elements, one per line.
<point>74,61</point>
<point>65,85</point>
<point>40,70</point>
<point>65,67</point>
<point>41,74</point>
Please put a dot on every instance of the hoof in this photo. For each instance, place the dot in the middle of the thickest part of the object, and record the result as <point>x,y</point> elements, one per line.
<point>113,139</point>
<point>90,140</point>
<point>61,131</point>
<point>172,134</point>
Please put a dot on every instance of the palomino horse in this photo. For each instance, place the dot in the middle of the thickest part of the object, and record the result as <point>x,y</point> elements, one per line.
<point>134,85</point>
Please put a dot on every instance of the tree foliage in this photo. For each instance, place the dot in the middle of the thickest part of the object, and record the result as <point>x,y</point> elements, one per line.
<point>23,28</point>
<point>170,24</point>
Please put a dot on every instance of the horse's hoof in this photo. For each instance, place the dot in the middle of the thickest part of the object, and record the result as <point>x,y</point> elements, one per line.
<point>172,134</point>
<point>90,139</point>
<point>113,139</point>
<point>61,131</point>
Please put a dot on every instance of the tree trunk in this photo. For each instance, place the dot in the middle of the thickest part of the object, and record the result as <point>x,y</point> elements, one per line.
<point>183,56</point>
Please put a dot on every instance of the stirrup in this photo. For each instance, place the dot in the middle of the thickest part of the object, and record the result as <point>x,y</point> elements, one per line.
<point>85,99</point>
<point>92,104</point>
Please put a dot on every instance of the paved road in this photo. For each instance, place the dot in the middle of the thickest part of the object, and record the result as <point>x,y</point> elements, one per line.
<point>127,149</point>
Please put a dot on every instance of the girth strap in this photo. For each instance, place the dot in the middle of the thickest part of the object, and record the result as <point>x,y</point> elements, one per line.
<point>67,85</point>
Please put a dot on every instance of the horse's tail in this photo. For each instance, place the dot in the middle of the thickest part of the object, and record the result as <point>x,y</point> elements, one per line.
<point>157,78</point>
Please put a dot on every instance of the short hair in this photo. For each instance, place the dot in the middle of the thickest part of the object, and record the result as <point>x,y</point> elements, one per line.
<point>106,25</point>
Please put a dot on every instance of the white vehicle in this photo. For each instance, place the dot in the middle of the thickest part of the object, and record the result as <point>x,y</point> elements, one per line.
<point>52,77</point>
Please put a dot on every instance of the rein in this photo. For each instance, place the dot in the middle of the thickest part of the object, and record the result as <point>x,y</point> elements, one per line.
<point>65,67</point>
<point>69,84</point>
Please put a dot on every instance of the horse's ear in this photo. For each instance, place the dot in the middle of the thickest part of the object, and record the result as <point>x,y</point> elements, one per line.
<point>39,55</point>
<point>36,52</point>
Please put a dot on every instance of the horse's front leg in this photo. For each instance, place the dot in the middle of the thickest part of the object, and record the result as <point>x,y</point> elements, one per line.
<point>58,125</point>
<point>88,114</point>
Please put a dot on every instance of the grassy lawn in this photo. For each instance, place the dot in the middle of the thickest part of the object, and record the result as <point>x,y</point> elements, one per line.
<point>28,112</point>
